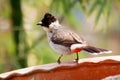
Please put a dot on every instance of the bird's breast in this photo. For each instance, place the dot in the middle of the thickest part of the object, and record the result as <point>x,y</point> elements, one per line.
<point>59,48</point>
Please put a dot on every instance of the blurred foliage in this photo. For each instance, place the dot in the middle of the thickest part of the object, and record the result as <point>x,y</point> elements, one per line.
<point>64,7</point>
<point>16,18</point>
<point>24,44</point>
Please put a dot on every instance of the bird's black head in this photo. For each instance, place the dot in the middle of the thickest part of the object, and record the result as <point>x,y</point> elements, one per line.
<point>47,20</point>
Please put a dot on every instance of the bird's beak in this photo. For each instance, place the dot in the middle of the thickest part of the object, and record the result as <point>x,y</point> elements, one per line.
<point>39,23</point>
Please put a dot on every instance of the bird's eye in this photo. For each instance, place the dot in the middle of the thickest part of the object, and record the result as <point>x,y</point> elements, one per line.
<point>50,31</point>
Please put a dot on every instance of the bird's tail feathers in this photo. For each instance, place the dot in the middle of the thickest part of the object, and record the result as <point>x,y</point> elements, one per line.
<point>95,51</point>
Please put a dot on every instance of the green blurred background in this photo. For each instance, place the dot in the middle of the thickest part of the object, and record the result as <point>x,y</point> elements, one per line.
<point>24,44</point>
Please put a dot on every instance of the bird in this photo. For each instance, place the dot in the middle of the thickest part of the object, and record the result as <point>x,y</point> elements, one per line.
<point>65,41</point>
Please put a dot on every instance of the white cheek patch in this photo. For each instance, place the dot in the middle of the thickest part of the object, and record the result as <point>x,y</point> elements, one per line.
<point>74,46</point>
<point>54,24</point>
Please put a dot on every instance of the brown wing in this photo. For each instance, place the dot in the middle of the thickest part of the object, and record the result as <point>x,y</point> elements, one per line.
<point>77,38</point>
<point>65,38</point>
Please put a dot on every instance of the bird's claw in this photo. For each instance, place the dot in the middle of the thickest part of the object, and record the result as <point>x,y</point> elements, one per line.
<point>76,60</point>
<point>58,61</point>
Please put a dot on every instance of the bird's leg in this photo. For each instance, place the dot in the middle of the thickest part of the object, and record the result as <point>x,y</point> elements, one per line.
<point>58,61</point>
<point>77,57</point>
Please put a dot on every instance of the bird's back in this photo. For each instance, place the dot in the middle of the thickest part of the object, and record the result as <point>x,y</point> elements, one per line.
<point>65,37</point>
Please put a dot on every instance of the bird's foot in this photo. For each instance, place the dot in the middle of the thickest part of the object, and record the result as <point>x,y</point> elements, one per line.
<point>58,61</point>
<point>76,60</point>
